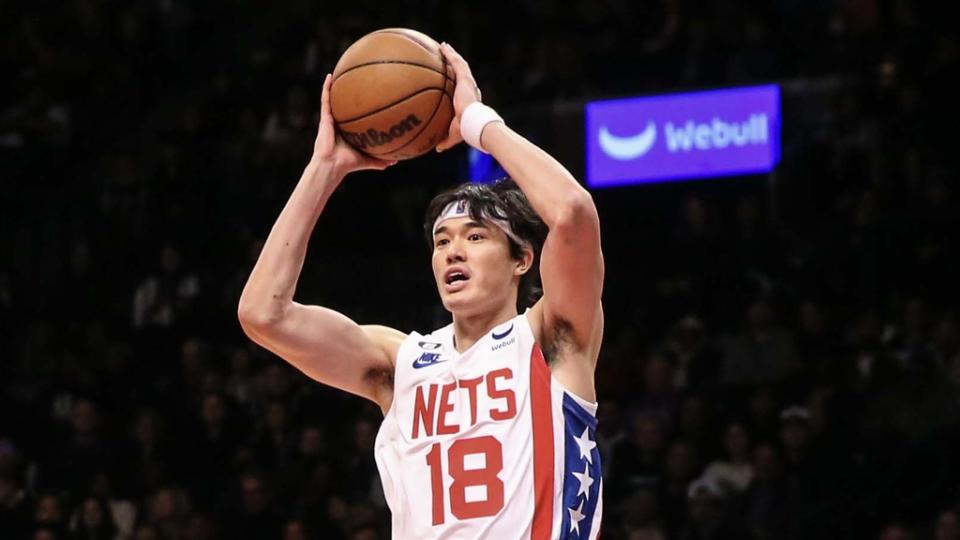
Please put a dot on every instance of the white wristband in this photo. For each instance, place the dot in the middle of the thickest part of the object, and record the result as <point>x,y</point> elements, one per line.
<point>476,117</point>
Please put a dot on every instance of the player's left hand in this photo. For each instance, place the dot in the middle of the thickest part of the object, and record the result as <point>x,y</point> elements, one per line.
<point>465,93</point>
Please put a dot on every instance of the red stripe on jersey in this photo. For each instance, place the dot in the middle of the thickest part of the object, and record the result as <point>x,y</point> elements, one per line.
<point>542,445</point>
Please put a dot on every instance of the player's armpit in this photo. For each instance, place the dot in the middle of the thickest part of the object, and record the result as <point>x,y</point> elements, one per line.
<point>332,349</point>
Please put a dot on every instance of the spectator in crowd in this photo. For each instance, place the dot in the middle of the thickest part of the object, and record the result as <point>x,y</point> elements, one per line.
<point>148,453</point>
<point>48,514</point>
<point>166,295</point>
<point>289,126</point>
<point>800,467</point>
<point>274,443</point>
<point>146,532</point>
<point>947,526</point>
<point>763,352</point>
<point>295,530</point>
<point>679,469</point>
<point>338,517</point>
<point>817,345</point>
<point>166,513</point>
<point>658,399</point>
<point>14,513</point>
<point>256,516</point>
<point>92,520</point>
<point>361,468</point>
<point>214,447</point>
<point>697,363</point>
<point>239,383</point>
<point>297,482</point>
<point>194,362</point>
<point>199,526</point>
<point>707,518</point>
<point>764,422</point>
<point>766,506</point>
<point>44,533</point>
<point>275,384</point>
<point>610,430</point>
<point>896,531</point>
<point>638,457</point>
<point>641,514</point>
<point>122,512</point>
<point>734,472</point>
<point>83,451</point>
<point>365,533</point>
<point>693,424</point>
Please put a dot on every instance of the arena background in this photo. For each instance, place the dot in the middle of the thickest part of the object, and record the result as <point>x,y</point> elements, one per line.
<point>804,321</point>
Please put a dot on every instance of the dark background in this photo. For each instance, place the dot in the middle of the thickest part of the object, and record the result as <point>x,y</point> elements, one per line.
<point>147,146</point>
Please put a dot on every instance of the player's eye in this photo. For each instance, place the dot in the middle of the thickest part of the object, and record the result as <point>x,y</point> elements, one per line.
<point>442,242</point>
<point>474,237</point>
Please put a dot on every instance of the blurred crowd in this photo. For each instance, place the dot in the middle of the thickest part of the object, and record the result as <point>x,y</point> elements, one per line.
<point>782,354</point>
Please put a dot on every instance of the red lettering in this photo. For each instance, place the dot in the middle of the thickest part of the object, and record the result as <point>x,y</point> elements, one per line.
<point>433,414</point>
<point>506,393</point>
<point>436,482</point>
<point>445,407</point>
<point>471,386</point>
<point>424,413</point>
<point>492,450</point>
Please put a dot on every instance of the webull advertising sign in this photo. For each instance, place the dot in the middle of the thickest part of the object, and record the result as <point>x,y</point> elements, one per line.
<point>683,136</point>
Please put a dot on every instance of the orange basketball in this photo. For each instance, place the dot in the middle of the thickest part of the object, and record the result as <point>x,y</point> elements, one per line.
<point>392,94</point>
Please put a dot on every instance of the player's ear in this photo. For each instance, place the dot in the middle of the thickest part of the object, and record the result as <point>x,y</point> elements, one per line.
<point>523,264</point>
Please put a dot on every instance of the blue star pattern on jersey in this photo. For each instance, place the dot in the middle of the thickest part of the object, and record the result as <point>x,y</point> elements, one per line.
<point>581,471</point>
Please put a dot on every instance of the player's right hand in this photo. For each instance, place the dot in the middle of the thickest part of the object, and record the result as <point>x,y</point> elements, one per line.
<point>332,149</point>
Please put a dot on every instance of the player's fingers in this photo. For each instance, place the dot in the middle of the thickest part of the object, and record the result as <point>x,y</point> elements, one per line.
<point>325,98</point>
<point>453,137</point>
<point>452,55</point>
<point>447,141</point>
<point>462,70</point>
<point>325,133</point>
<point>460,66</point>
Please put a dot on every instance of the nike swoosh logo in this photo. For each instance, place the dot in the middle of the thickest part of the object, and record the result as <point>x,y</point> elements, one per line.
<point>503,335</point>
<point>418,363</point>
<point>627,148</point>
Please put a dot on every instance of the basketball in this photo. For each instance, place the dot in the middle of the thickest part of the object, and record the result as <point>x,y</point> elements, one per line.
<point>392,94</point>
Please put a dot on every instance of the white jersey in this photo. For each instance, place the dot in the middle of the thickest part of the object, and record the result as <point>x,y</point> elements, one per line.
<point>486,443</point>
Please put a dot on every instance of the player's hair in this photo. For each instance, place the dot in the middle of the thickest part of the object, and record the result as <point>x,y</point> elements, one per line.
<point>501,200</point>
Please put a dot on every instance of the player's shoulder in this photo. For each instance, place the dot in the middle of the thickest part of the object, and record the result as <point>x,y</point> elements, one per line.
<point>397,338</point>
<point>385,338</point>
<point>436,338</point>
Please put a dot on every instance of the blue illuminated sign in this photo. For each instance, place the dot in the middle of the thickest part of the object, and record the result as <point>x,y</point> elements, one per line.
<point>680,136</point>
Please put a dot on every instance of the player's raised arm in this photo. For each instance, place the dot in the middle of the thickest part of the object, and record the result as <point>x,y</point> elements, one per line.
<point>324,344</point>
<point>571,267</point>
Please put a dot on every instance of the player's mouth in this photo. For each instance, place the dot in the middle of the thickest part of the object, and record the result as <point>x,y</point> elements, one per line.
<point>455,278</point>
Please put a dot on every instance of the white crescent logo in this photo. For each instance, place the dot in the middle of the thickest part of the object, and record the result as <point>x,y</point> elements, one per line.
<point>626,148</point>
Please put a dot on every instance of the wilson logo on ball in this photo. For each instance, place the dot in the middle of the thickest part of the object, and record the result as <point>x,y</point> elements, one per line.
<point>372,138</point>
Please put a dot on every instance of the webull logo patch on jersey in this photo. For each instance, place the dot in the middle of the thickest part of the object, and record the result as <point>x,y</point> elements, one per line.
<point>501,336</point>
<point>429,345</point>
<point>427,359</point>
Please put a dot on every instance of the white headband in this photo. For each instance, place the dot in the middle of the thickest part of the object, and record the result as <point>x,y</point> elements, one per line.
<point>461,208</point>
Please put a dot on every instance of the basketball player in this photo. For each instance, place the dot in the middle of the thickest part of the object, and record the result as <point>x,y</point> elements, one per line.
<point>489,423</point>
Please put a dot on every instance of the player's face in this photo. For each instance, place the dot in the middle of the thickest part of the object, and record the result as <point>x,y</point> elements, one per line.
<point>473,268</point>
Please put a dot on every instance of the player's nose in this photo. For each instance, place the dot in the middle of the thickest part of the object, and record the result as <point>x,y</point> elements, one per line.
<point>455,252</point>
